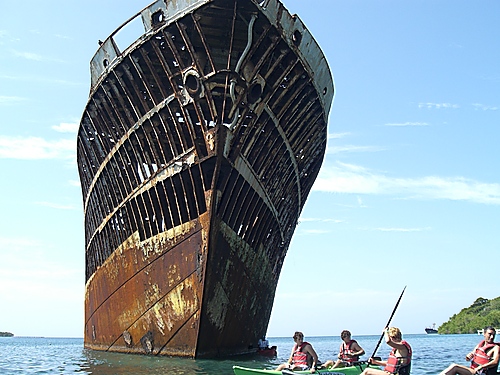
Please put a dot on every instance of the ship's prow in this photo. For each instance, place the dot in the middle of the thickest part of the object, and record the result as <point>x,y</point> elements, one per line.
<point>197,150</point>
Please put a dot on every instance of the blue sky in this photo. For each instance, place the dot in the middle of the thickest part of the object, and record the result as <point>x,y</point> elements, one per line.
<point>409,192</point>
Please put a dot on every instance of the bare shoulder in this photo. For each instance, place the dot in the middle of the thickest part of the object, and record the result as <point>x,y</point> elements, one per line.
<point>356,345</point>
<point>399,346</point>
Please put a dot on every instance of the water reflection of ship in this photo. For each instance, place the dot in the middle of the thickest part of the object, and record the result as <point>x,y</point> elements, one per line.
<point>431,329</point>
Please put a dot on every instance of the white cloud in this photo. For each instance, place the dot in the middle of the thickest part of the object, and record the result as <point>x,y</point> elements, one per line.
<point>65,127</point>
<point>312,231</point>
<point>29,56</point>
<point>35,56</point>
<point>346,178</point>
<point>338,135</point>
<point>36,148</point>
<point>483,107</point>
<point>437,105</point>
<point>349,148</point>
<point>353,179</point>
<point>6,37</point>
<point>352,148</point>
<point>7,100</point>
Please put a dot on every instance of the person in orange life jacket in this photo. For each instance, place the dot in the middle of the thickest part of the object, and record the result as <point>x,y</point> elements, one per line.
<point>399,361</point>
<point>301,355</point>
<point>349,352</point>
<point>484,358</point>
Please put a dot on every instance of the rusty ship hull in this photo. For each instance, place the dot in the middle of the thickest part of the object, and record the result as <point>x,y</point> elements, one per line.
<point>196,151</point>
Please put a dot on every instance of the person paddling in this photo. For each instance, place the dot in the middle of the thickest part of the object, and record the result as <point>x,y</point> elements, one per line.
<point>399,361</point>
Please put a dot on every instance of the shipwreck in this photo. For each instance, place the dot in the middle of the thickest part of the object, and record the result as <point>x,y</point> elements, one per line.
<point>197,149</point>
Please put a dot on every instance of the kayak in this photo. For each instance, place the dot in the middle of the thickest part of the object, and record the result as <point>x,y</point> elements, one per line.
<point>351,370</point>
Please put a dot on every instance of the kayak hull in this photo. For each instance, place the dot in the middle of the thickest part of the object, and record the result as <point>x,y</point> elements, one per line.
<point>351,370</point>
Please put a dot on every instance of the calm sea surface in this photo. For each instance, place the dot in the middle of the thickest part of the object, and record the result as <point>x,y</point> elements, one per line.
<point>26,355</point>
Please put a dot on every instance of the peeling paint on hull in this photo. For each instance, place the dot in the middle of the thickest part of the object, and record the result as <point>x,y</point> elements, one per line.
<point>196,151</point>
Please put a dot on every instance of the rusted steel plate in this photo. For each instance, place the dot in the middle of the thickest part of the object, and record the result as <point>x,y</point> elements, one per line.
<point>157,291</point>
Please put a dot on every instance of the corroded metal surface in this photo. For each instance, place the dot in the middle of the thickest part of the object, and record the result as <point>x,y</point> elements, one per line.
<point>197,149</point>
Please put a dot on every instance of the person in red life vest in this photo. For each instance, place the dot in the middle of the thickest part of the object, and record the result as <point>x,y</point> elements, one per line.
<point>483,359</point>
<point>302,357</point>
<point>349,352</point>
<point>399,361</point>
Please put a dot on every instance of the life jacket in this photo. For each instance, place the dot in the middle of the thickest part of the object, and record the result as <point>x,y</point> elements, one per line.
<point>399,365</point>
<point>481,356</point>
<point>346,349</point>
<point>299,357</point>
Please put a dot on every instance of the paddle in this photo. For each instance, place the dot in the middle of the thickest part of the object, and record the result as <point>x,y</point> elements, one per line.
<point>389,322</point>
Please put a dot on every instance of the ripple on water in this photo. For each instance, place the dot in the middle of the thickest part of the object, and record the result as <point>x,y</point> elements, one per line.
<point>23,355</point>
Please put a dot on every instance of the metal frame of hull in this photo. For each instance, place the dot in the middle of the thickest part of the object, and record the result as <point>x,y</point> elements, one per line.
<point>196,151</point>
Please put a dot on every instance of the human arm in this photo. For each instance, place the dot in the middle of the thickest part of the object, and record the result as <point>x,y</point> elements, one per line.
<point>398,345</point>
<point>357,351</point>
<point>469,356</point>
<point>387,338</point>
<point>376,362</point>
<point>290,360</point>
<point>309,350</point>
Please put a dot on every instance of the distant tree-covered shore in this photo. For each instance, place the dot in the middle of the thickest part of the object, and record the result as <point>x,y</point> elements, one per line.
<point>480,314</point>
<point>6,334</point>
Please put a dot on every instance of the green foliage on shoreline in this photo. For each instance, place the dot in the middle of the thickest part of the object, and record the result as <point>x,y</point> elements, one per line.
<point>480,314</point>
<point>6,334</point>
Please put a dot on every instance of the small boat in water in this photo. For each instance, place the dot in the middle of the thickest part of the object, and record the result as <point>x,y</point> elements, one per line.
<point>432,329</point>
<point>268,352</point>
<point>351,370</point>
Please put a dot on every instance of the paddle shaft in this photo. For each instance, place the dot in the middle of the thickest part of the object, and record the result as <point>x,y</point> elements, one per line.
<point>389,322</point>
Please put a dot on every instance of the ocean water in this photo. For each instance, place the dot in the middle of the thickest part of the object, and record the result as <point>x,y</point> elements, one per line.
<point>28,355</point>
